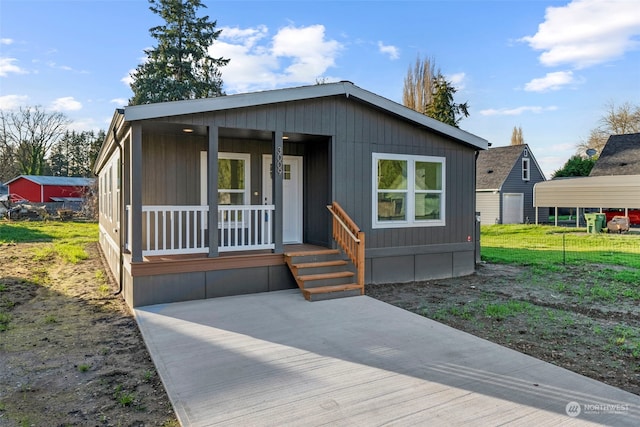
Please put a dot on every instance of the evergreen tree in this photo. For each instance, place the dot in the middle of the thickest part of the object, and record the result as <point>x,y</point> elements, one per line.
<point>442,107</point>
<point>75,153</point>
<point>58,163</point>
<point>179,67</point>
<point>575,166</point>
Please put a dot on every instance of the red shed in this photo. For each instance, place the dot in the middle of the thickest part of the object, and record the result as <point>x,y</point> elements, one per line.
<point>42,189</point>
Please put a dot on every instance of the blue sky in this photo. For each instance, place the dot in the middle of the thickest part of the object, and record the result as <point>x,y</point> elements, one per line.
<point>550,67</point>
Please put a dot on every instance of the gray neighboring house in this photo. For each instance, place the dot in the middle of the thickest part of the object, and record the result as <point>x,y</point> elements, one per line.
<point>505,177</point>
<point>212,197</point>
<point>620,156</point>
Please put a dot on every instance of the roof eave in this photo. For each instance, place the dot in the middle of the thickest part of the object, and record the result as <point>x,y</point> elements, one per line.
<point>347,89</point>
<point>109,142</point>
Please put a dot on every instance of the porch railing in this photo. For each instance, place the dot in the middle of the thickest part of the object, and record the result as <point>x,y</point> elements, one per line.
<point>174,230</point>
<point>349,237</point>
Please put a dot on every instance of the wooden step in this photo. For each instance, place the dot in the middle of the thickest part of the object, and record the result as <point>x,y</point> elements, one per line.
<point>331,292</point>
<point>318,267</point>
<point>325,276</point>
<point>320,264</point>
<point>310,253</point>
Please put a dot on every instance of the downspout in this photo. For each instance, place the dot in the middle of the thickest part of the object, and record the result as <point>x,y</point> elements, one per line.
<point>123,218</point>
<point>476,241</point>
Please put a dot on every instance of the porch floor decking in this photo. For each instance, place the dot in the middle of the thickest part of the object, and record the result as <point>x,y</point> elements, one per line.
<point>273,359</point>
<point>175,264</point>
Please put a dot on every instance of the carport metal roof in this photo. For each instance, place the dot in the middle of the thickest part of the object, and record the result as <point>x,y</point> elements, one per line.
<point>615,191</point>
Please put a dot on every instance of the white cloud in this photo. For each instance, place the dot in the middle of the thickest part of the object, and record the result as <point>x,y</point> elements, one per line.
<point>587,32</point>
<point>516,111</point>
<point>120,102</point>
<point>260,61</point>
<point>10,102</point>
<point>85,124</point>
<point>552,81</point>
<point>310,54</point>
<point>6,41</point>
<point>68,103</point>
<point>457,80</point>
<point>392,51</point>
<point>127,80</point>
<point>7,66</point>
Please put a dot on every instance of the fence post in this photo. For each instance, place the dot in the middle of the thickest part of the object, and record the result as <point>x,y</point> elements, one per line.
<point>564,249</point>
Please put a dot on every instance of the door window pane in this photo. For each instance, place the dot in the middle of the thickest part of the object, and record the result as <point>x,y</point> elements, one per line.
<point>231,174</point>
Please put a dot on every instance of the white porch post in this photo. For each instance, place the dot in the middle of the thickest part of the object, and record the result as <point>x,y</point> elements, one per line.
<point>212,189</point>
<point>135,172</point>
<point>277,161</point>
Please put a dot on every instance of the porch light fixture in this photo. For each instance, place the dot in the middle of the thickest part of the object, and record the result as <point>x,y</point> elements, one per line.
<point>285,137</point>
<point>187,130</point>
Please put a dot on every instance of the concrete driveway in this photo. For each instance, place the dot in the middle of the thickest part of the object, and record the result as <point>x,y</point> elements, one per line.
<point>274,359</point>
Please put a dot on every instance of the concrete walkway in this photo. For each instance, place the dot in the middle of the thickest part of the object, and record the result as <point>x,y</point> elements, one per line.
<point>274,359</point>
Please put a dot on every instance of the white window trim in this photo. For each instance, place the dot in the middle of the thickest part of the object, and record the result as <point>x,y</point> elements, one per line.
<point>526,166</point>
<point>410,211</point>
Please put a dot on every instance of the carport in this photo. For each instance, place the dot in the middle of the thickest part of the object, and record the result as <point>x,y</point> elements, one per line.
<point>594,192</point>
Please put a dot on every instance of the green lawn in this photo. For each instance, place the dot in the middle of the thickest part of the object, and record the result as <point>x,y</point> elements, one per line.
<point>65,239</point>
<point>541,244</point>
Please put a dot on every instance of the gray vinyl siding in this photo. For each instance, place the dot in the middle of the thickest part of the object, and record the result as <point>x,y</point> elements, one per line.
<point>488,204</point>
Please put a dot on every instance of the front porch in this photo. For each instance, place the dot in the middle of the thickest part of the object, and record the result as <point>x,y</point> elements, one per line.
<point>177,264</point>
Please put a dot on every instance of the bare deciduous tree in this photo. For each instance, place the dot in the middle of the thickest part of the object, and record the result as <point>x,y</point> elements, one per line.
<point>28,134</point>
<point>618,120</point>
<point>516,136</point>
<point>417,92</point>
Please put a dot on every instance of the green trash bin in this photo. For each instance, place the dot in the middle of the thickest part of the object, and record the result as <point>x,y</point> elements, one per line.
<point>601,222</point>
<point>591,222</point>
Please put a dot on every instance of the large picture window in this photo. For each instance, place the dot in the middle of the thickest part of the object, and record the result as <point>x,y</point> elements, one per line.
<point>409,191</point>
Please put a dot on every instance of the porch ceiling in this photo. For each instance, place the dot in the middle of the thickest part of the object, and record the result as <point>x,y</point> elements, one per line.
<point>238,133</point>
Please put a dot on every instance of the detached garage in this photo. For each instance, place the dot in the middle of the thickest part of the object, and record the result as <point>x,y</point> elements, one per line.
<point>45,189</point>
<point>600,192</point>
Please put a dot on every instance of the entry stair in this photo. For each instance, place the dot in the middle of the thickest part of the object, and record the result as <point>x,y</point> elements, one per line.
<point>324,274</point>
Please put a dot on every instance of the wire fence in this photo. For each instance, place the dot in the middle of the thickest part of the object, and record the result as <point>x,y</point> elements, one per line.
<point>561,248</point>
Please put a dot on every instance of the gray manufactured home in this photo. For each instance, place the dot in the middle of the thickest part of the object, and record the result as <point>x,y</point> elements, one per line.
<point>223,196</point>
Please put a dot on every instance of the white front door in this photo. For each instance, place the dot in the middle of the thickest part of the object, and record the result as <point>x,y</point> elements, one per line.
<point>292,195</point>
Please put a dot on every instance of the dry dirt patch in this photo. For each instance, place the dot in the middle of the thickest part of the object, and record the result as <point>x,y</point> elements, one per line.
<point>574,317</point>
<point>71,352</point>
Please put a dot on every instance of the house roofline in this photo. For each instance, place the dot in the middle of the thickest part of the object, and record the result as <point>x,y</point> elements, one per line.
<point>109,143</point>
<point>36,180</point>
<point>347,89</point>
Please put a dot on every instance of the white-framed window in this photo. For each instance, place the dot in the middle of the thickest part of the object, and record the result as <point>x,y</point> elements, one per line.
<point>526,172</point>
<point>408,191</point>
<point>233,178</point>
<point>110,192</point>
